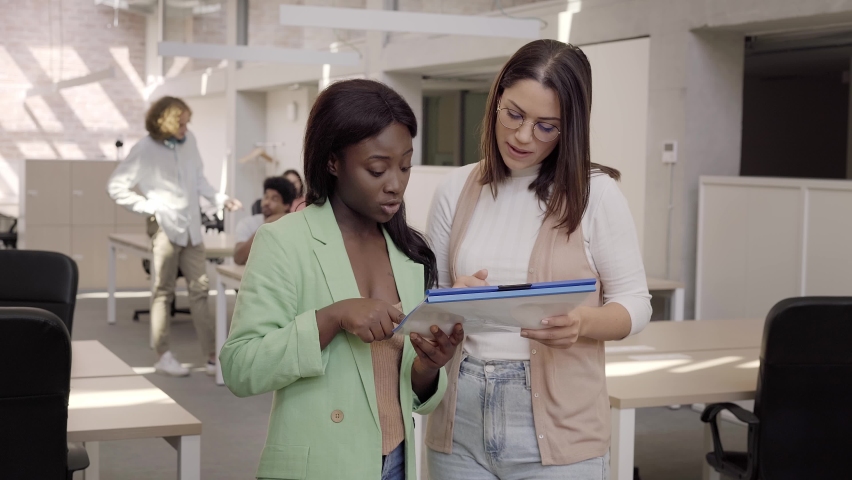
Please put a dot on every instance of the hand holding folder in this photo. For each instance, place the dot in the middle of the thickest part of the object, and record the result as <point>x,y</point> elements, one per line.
<point>504,308</point>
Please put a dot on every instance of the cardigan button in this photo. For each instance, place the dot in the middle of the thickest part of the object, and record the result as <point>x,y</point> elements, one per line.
<point>533,351</point>
<point>540,436</point>
<point>337,416</point>
<point>532,270</point>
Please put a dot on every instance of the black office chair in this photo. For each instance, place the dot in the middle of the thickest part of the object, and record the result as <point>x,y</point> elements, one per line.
<point>47,280</point>
<point>10,237</point>
<point>255,207</point>
<point>802,421</point>
<point>35,364</point>
<point>208,223</point>
<point>146,264</point>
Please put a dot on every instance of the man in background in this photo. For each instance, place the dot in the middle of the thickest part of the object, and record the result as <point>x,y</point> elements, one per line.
<point>166,167</point>
<point>278,196</point>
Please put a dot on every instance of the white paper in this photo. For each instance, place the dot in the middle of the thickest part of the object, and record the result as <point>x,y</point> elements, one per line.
<point>493,315</point>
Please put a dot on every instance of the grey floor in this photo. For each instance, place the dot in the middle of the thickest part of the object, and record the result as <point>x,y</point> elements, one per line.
<point>668,442</point>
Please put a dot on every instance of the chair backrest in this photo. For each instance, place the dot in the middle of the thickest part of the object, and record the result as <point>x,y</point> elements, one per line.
<point>255,207</point>
<point>804,390</point>
<point>47,280</point>
<point>35,365</point>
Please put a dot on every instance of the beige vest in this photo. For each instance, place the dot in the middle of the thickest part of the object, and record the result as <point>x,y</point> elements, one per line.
<point>569,397</point>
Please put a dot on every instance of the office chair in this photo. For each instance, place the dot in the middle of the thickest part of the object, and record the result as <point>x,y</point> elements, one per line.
<point>255,207</point>
<point>10,238</point>
<point>215,223</point>
<point>146,264</point>
<point>36,279</point>
<point>801,421</point>
<point>35,364</point>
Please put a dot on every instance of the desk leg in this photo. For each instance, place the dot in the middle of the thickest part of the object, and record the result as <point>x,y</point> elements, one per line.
<point>111,284</point>
<point>189,456</point>
<point>93,449</point>
<point>153,273</point>
<point>221,325</point>
<point>420,446</point>
<point>707,472</point>
<point>623,439</point>
<point>678,305</point>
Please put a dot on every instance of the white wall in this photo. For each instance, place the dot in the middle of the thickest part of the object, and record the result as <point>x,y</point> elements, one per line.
<point>421,188</point>
<point>280,128</point>
<point>208,126</point>
<point>620,116</point>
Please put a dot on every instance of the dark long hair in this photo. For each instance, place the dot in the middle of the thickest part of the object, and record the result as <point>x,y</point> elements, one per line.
<point>564,177</point>
<point>344,114</point>
<point>296,173</point>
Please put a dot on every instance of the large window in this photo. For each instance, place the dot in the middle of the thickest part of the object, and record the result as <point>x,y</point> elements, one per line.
<point>451,127</point>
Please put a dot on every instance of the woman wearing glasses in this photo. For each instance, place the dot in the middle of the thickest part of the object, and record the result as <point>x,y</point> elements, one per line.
<point>535,209</point>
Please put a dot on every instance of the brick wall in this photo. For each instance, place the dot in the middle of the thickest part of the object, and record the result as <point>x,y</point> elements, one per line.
<point>78,122</point>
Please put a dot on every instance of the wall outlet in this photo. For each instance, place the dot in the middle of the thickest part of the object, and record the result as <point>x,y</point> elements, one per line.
<point>670,152</point>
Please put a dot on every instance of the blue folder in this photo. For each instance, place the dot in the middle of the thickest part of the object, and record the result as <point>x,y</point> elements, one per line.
<point>497,307</point>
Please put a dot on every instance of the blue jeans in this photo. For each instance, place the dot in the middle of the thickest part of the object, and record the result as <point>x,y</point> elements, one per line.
<point>494,436</point>
<point>393,464</point>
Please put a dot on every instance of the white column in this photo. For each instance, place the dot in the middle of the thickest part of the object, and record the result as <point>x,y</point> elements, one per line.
<point>707,473</point>
<point>221,324</point>
<point>409,86</point>
<point>111,283</point>
<point>93,450</point>
<point>622,443</point>
<point>849,131</point>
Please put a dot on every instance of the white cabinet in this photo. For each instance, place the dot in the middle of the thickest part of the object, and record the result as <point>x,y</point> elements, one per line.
<point>65,208</point>
<point>761,240</point>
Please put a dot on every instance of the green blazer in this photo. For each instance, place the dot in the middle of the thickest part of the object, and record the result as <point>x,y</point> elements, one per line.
<point>297,266</point>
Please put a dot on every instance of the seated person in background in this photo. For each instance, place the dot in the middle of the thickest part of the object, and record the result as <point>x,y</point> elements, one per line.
<point>278,196</point>
<point>299,203</point>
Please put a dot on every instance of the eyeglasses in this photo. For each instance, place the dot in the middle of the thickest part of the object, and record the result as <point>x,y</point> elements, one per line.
<point>512,119</point>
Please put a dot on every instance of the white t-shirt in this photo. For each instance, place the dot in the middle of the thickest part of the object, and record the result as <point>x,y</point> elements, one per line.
<point>248,227</point>
<point>502,234</point>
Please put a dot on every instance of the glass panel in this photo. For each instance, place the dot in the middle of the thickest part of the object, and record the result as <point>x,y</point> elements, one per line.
<point>193,22</point>
<point>441,129</point>
<point>474,111</point>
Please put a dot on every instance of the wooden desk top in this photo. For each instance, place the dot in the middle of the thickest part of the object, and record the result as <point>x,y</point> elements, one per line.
<point>123,408</point>
<point>656,380</point>
<point>691,335</point>
<point>217,246</point>
<point>89,358</point>
<point>234,272</point>
<point>662,284</point>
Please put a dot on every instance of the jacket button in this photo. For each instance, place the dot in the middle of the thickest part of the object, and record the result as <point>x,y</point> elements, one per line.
<point>533,351</point>
<point>337,416</point>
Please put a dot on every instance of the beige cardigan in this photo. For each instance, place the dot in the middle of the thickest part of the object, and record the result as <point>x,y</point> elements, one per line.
<point>569,397</point>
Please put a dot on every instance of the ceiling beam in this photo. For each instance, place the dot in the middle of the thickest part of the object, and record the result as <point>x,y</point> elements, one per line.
<point>411,22</point>
<point>256,54</point>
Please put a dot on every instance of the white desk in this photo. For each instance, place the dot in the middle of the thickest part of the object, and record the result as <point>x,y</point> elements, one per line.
<point>90,359</point>
<point>130,407</point>
<point>690,336</point>
<point>657,380</point>
<point>227,276</point>
<point>672,290</point>
<point>216,246</point>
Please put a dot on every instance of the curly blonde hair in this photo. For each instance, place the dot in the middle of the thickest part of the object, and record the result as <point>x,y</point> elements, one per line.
<point>163,118</point>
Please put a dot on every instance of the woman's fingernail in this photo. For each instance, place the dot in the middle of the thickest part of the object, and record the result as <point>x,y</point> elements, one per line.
<point>524,334</point>
<point>434,329</point>
<point>545,321</point>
